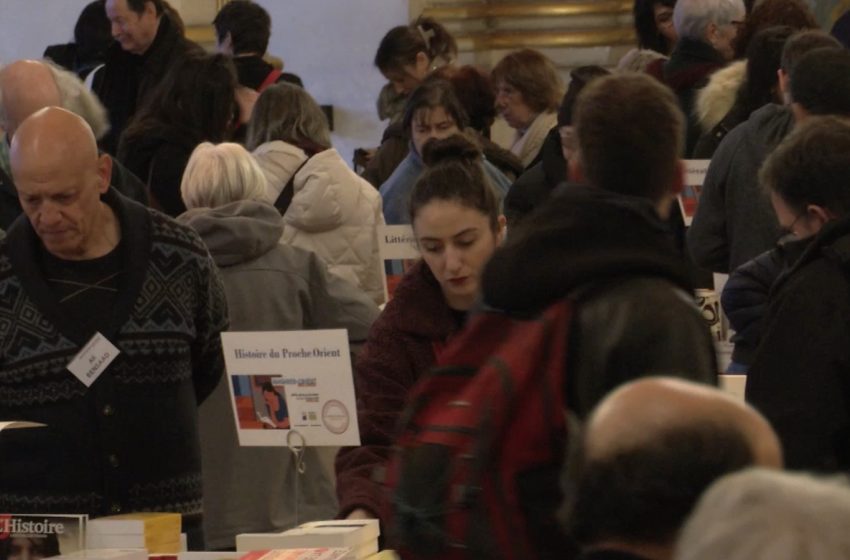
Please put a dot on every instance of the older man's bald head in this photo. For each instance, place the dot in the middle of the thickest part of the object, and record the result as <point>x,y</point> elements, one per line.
<point>26,86</point>
<point>640,412</point>
<point>651,448</point>
<point>60,179</point>
<point>53,138</point>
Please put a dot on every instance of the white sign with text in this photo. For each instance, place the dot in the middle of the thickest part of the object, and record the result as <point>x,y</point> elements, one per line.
<point>285,382</point>
<point>398,250</point>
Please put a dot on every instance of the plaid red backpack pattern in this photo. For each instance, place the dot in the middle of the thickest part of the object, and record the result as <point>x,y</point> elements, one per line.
<point>489,416</point>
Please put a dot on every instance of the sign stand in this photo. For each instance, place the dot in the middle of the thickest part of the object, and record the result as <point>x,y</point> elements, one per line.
<point>297,445</point>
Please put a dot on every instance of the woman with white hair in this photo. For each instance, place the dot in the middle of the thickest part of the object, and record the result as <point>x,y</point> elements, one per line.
<point>707,31</point>
<point>326,207</point>
<point>269,287</point>
<point>760,514</point>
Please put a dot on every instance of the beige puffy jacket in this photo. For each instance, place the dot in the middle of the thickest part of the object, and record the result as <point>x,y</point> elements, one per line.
<point>334,212</point>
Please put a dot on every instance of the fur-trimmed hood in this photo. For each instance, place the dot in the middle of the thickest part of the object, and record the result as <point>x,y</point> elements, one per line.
<point>716,99</point>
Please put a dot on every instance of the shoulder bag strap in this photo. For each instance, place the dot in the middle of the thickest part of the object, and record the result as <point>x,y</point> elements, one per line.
<point>271,78</point>
<point>284,199</point>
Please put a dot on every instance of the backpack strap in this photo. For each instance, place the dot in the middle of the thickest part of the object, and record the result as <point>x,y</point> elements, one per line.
<point>284,199</point>
<point>271,78</point>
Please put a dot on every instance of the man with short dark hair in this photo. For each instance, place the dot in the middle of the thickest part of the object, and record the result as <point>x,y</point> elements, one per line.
<point>733,222</point>
<point>799,375</point>
<point>147,42</point>
<point>605,242</point>
<point>650,450</point>
<point>110,322</point>
<point>242,29</point>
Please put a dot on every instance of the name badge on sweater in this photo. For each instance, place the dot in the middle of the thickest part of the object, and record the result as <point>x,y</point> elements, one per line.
<point>93,359</point>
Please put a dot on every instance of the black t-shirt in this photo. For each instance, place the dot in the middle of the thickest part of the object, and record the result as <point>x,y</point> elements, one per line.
<point>87,290</point>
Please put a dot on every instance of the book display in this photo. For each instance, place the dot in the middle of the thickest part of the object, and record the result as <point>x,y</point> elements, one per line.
<point>40,536</point>
<point>343,539</point>
<point>158,533</point>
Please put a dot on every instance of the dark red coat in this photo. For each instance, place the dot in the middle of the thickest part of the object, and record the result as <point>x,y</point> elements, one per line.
<point>402,345</point>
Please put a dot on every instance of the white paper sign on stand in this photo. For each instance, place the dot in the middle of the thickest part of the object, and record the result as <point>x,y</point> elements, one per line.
<point>291,388</point>
<point>398,250</point>
<point>695,170</point>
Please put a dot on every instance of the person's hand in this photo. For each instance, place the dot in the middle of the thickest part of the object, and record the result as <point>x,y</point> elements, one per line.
<point>361,513</point>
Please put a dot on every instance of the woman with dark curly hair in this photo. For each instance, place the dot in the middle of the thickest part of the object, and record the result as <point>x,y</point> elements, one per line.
<point>475,92</point>
<point>194,103</point>
<point>655,34</point>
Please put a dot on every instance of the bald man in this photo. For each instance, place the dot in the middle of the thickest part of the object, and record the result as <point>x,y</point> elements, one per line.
<point>29,85</point>
<point>109,320</point>
<point>650,449</point>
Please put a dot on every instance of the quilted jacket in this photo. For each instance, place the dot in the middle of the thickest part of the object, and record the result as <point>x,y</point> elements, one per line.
<point>334,213</point>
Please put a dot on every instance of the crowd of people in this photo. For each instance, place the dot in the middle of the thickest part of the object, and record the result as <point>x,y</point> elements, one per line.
<point>541,383</point>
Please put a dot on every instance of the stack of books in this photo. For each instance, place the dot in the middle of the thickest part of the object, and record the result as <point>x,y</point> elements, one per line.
<point>159,533</point>
<point>338,540</point>
<point>104,554</point>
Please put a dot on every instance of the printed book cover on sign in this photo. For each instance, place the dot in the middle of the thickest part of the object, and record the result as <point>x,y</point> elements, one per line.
<point>291,388</point>
<point>33,537</point>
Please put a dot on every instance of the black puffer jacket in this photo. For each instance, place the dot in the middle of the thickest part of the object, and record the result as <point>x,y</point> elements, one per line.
<point>800,377</point>
<point>745,296</point>
<point>636,315</point>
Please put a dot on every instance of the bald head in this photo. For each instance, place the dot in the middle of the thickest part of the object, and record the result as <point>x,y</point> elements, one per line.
<point>640,412</point>
<point>25,87</point>
<point>53,137</point>
<point>651,448</point>
<point>60,179</point>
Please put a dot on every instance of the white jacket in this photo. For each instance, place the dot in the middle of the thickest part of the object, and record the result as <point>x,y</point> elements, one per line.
<point>334,212</point>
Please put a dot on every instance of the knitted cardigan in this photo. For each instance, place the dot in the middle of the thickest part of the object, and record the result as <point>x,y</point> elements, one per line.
<point>130,441</point>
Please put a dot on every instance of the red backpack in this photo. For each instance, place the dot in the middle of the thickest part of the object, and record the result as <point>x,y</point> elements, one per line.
<point>487,419</point>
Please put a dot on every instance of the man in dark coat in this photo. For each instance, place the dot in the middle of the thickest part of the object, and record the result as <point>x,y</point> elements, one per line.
<point>734,222</point>
<point>606,241</point>
<point>109,335</point>
<point>147,41</point>
<point>242,30</point>
<point>800,377</point>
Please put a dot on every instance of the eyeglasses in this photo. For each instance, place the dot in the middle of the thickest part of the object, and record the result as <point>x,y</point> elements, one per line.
<point>789,229</point>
